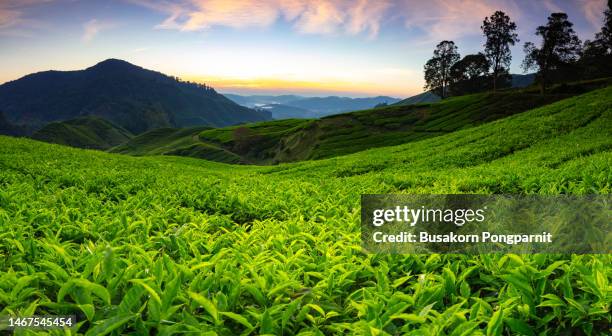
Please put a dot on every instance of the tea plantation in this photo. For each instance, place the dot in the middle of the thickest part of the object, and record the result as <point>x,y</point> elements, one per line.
<point>168,245</point>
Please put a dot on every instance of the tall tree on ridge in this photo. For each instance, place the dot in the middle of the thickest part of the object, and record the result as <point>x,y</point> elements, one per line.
<point>560,47</point>
<point>500,34</point>
<point>437,69</point>
<point>597,55</point>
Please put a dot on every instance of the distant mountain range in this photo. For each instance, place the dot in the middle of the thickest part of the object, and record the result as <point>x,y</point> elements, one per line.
<point>127,95</point>
<point>293,106</point>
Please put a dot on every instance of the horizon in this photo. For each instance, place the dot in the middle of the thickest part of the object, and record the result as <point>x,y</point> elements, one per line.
<point>307,48</point>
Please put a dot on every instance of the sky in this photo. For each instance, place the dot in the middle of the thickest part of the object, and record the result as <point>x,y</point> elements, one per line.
<point>353,48</point>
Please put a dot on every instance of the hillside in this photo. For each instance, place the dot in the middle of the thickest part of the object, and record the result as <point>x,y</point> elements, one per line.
<point>292,140</point>
<point>518,81</point>
<point>84,132</point>
<point>295,140</point>
<point>421,98</point>
<point>7,128</point>
<point>175,141</point>
<point>129,96</point>
<point>163,245</point>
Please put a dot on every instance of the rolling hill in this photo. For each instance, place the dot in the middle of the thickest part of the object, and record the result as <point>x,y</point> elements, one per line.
<point>171,245</point>
<point>291,140</point>
<point>85,132</point>
<point>176,141</point>
<point>129,96</point>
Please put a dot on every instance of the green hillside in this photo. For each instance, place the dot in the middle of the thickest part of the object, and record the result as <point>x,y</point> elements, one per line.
<point>84,132</point>
<point>175,141</point>
<point>170,245</point>
<point>293,140</point>
<point>286,141</point>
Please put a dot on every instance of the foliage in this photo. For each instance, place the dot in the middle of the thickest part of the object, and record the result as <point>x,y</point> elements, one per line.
<point>437,69</point>
<point>295,140</point>
<point>84,132</point>
<point>559,49</point>
<point>470,75</point>
<point>168,245</point>
<point>500,33</point>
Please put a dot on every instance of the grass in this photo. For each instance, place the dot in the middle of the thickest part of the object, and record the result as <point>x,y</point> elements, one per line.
<point>84,132</point>
<point>170,245</point>
<point>293,140</point>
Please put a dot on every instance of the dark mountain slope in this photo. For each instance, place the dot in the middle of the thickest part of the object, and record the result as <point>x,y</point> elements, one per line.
<point>7,128</point>
<point>127,95</point>
<point>84,132</point>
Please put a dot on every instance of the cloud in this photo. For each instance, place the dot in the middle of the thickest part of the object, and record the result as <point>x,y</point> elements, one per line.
<point>451,19</point>
<point>93,27</point>
<point>434,20</point>
<point>13,16</point>
<point>593,11</point>
<point>306,16</point>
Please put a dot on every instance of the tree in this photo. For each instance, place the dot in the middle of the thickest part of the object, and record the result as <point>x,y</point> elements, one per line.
<point>437,69</point>
<point>500,34</point>
<point>597,55</point>
<point>470,74</point>
<point>604,37</point>
<point>560,48</point>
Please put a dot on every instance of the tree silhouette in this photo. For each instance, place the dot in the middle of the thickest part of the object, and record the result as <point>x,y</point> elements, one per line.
<point>560,47</point>
<point>597,55</point>
<point>470,74</point>
<point>437,69</point>
<point>500,34</point>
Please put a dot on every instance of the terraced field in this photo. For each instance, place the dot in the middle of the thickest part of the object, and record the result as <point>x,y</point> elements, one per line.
<point>167,245</point>
<point>293,140</point>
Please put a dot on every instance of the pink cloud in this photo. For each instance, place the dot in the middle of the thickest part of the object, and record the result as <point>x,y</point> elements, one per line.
<point>307,16</point>
<point>593,11</point>
<point>13,18</point>
<point>450,19</point>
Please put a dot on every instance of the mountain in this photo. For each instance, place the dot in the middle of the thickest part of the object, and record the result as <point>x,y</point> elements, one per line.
<point>7,128</point>
<point>260,100</point>
<point>281,111</point>
<point>421,98</point>
<point>127,95</point>
<point>519,81</point>
<point>83,132</point>
<point>309,107</point>
<point>323,106</point>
